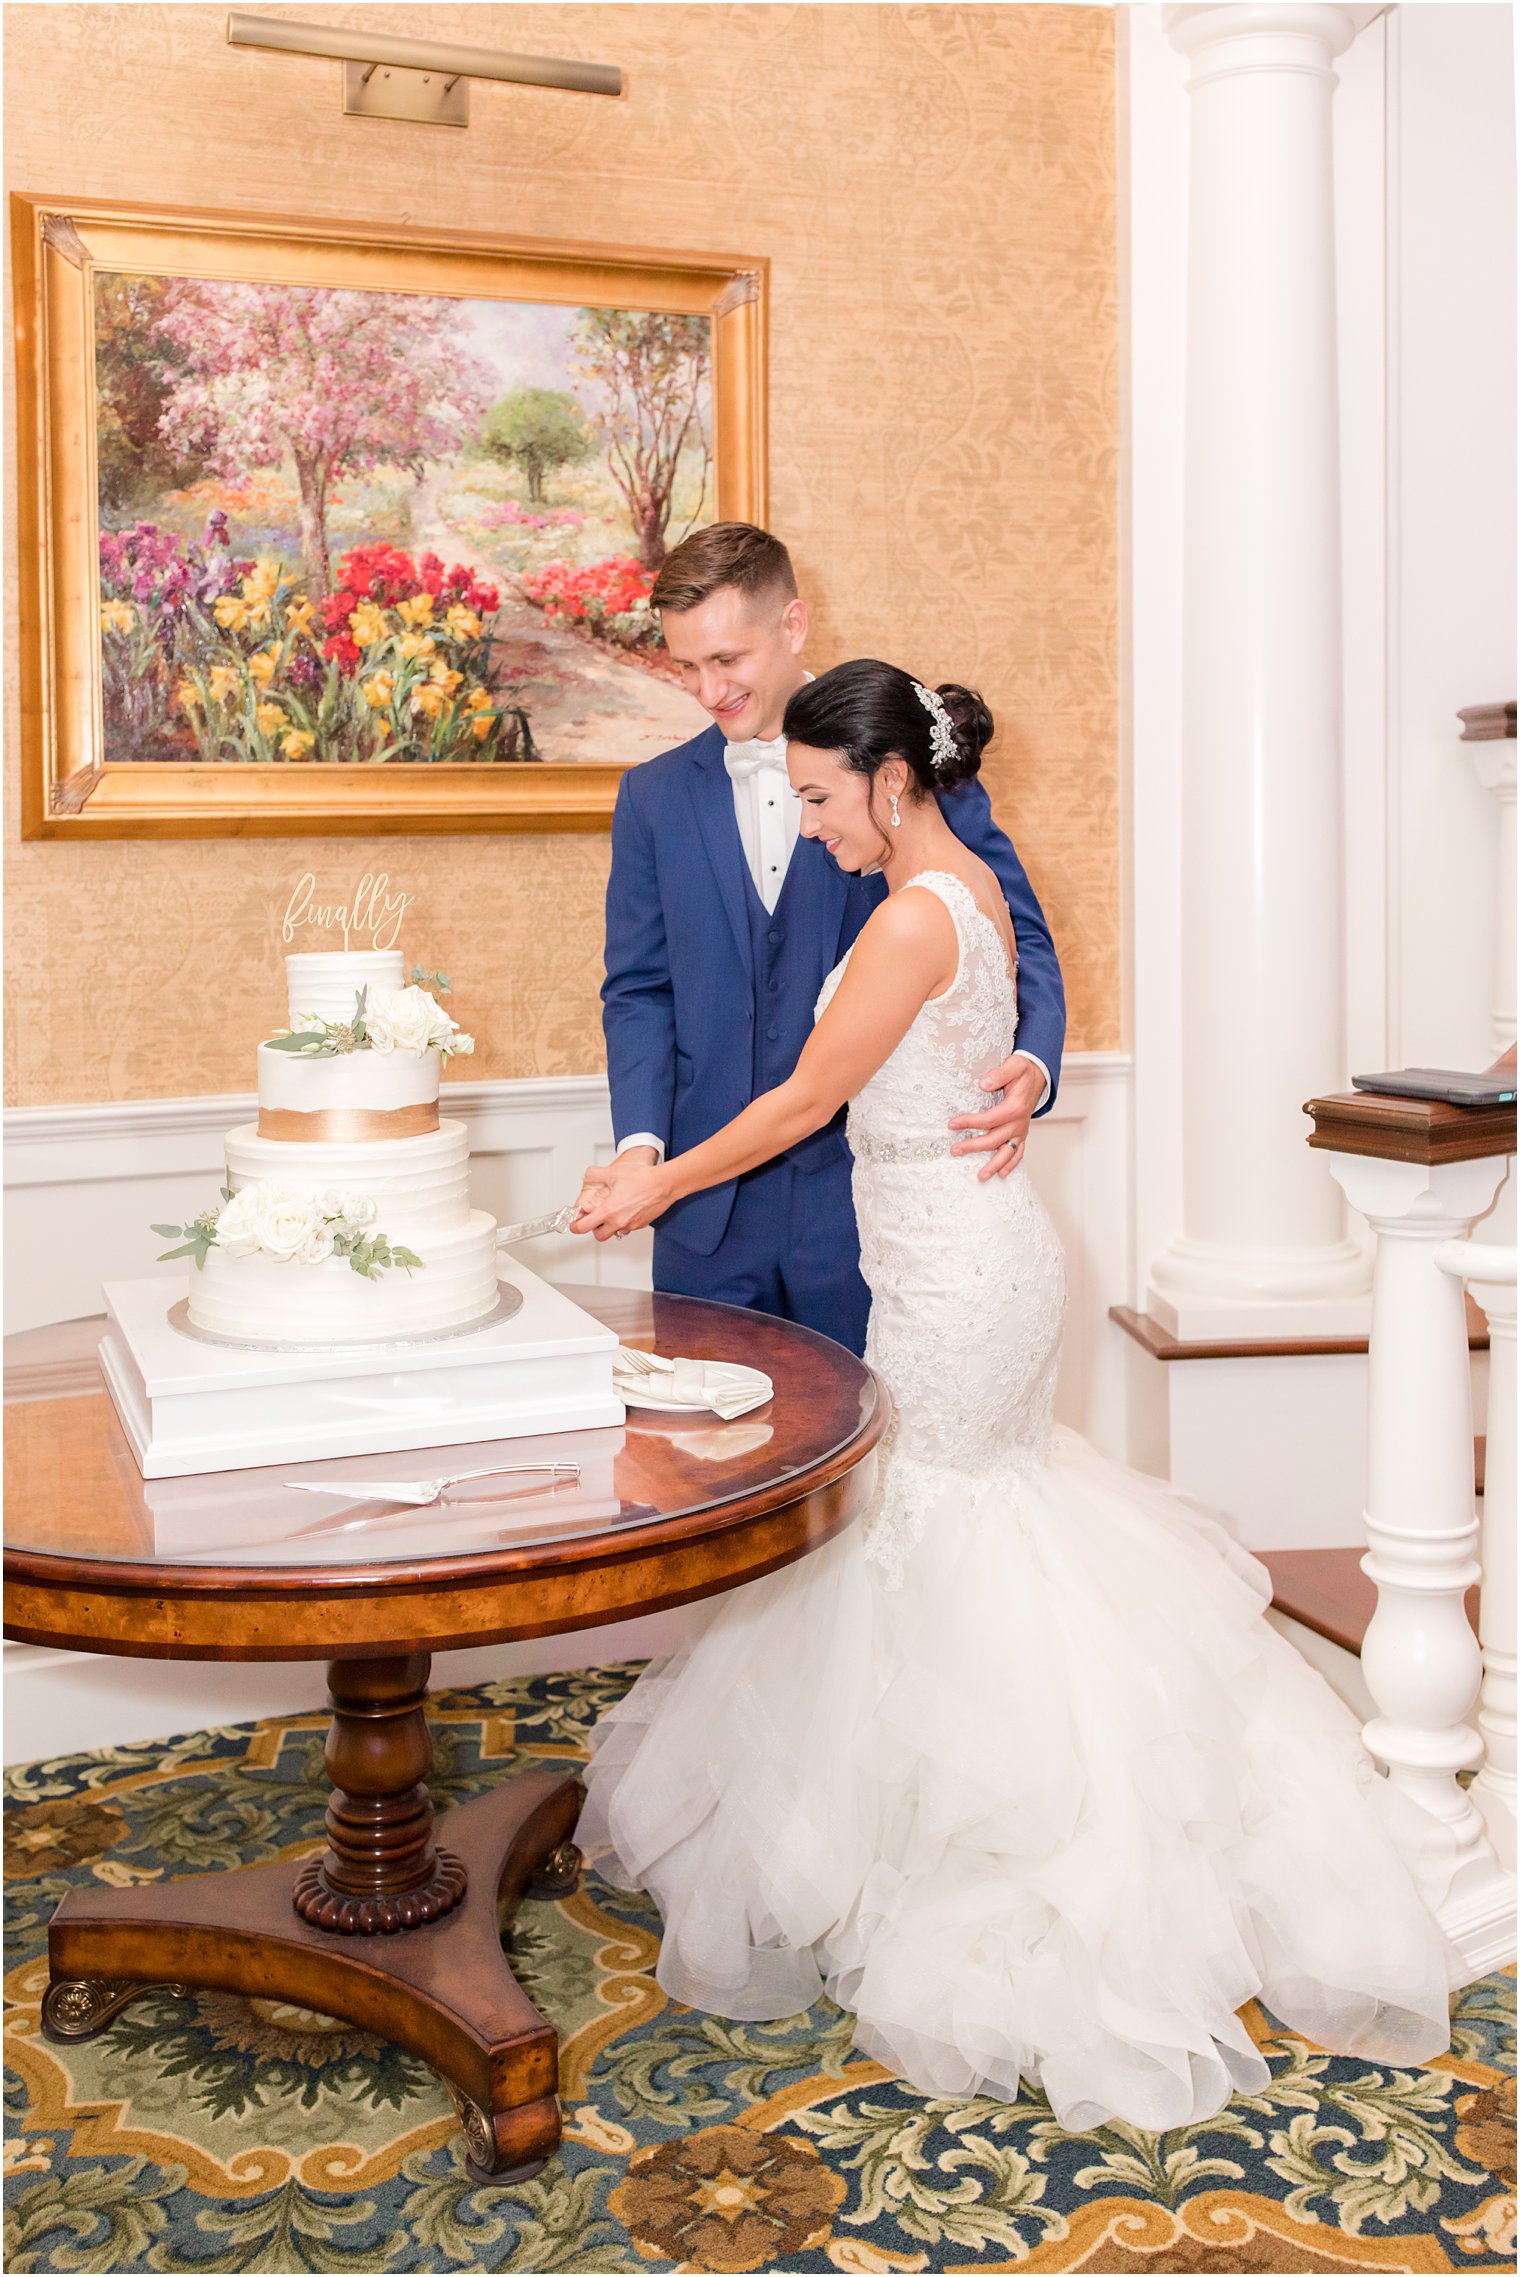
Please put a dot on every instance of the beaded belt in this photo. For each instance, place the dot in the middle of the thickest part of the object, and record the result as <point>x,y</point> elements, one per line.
<point>907,1150</point>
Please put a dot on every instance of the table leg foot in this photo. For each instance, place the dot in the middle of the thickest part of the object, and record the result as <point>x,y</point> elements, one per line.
<point>509,2146</point>
<point>76,2008</point>
<point>559,1876</point>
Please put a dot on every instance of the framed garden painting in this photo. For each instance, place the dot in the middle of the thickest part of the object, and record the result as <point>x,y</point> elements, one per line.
<point>332,529</point>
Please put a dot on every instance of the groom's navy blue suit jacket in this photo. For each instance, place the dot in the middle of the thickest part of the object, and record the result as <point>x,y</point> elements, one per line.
<point>709,1001</point>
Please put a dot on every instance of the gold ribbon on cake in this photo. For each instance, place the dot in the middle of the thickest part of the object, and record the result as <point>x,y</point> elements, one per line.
<point>336,1125</point>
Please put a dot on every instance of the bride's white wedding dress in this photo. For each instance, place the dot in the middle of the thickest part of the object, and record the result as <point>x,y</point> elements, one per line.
<point>1015,1768</point>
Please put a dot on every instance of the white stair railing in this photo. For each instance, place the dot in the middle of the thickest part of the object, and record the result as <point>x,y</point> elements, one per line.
<point>1421,1173</point>
<point>1489,1271</point>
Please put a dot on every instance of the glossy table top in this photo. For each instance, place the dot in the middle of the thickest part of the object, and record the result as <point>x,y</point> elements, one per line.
<point>79,1513</point>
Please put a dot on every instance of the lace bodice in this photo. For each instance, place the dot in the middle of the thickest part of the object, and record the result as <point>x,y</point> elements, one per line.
<point>934,1072</point>
<point>966,1276</point>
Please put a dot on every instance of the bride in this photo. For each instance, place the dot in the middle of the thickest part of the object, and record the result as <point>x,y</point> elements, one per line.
<point>1015,1769</point>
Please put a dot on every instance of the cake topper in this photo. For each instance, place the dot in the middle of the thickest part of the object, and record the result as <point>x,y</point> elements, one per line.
<point>372,908</point>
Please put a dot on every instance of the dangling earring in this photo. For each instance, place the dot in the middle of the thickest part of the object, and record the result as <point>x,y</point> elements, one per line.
<point>896,817</point>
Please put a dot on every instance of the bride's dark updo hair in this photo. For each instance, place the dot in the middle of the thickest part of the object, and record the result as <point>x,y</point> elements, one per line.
<point>869,712</point>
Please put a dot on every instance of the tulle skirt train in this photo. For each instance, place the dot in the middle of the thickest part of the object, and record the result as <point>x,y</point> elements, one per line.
<point>1053,1810</point>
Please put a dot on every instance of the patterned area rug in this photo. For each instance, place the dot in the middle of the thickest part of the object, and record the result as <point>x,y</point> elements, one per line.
<point>218,2133</point>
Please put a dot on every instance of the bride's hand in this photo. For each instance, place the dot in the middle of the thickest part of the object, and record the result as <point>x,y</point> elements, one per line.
<point>619,1197</point>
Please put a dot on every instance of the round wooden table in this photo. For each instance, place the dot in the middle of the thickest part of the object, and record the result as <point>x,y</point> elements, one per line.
<point>397,1926</point>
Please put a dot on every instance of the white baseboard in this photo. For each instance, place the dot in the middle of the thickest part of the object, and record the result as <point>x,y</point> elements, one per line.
<point>69,1703</point>
<point>85,1183</point>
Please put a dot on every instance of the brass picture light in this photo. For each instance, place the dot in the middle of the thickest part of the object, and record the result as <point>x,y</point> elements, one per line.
<point>387,76</point>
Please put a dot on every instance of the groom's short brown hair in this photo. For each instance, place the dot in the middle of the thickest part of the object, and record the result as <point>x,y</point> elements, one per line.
<point>725,553</point>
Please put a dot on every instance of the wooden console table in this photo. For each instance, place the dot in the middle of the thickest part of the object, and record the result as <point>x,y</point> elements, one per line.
<point>396,1927</point>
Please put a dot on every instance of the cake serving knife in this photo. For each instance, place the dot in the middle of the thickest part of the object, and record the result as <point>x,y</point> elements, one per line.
<point>558,1221</point>
<point>418,1492</point>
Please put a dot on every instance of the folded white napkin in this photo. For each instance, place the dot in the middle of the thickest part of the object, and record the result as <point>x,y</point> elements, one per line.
<point>653,1381</point>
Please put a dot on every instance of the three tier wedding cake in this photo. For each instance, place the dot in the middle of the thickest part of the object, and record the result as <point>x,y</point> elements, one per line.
<point>346,1215</point>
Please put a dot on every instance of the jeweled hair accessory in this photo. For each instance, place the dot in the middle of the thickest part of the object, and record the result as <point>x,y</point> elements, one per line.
<point>941,733</point>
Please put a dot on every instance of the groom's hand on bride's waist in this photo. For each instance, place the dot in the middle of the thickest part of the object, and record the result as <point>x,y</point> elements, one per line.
<point>999,1129</point>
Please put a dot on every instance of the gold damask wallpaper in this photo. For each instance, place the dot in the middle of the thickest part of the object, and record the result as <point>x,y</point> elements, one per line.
<point>935,189</point>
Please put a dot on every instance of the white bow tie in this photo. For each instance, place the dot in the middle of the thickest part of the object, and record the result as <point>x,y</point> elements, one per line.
<point>745,759</point>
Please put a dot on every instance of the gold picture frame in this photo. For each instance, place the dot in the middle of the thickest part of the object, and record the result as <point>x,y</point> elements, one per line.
<point>71,787</point>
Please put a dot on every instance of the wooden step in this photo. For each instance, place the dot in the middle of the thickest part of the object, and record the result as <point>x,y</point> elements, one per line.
<point>1161,1344</point>
<point>1328,1591</point>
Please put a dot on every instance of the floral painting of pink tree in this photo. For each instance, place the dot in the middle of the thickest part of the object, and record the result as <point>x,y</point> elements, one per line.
<point>339,382</point>
<point>372,527</point>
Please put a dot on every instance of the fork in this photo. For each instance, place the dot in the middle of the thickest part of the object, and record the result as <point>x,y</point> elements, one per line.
<point>417,1492</point>
<point>640,1363</point>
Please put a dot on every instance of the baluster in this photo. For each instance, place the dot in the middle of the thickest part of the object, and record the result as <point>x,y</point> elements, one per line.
<point>1490,1270</point>
<point>1420,1172</point>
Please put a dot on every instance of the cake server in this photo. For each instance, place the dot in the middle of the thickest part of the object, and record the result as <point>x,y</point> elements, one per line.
<point>558,1221</point>
<point>418,1492</point>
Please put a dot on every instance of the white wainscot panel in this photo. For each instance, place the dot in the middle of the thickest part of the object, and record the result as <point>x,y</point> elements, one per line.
<point>1078,1158</point>
<point>85,1185</point>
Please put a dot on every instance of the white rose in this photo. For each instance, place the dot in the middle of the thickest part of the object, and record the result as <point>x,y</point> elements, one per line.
<point>377,1027</point>
<point>402,1020</point>
<point>317,1245</point>
<point>331,1203</point>
<point>461,1043</point>
<point>357,1209</point>
<point>284,1216</point>
<point>236,1226</point>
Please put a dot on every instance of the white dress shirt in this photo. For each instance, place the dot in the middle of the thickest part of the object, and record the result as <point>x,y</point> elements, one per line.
<point>767,810</point>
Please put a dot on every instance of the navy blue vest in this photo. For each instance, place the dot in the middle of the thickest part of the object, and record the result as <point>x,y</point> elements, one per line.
<point>787,981</point>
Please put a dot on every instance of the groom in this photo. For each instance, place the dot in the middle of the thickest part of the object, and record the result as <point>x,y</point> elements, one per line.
<point>721,927</point>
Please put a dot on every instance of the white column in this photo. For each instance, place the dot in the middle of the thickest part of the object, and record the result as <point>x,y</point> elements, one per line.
<point>1494,761</point>
<point>1420,1658</point>
<point>1263,1249</point>
<point>1491,1272</point>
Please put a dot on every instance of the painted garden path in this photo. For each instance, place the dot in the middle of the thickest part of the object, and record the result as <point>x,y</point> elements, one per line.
<point>582,701</point>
